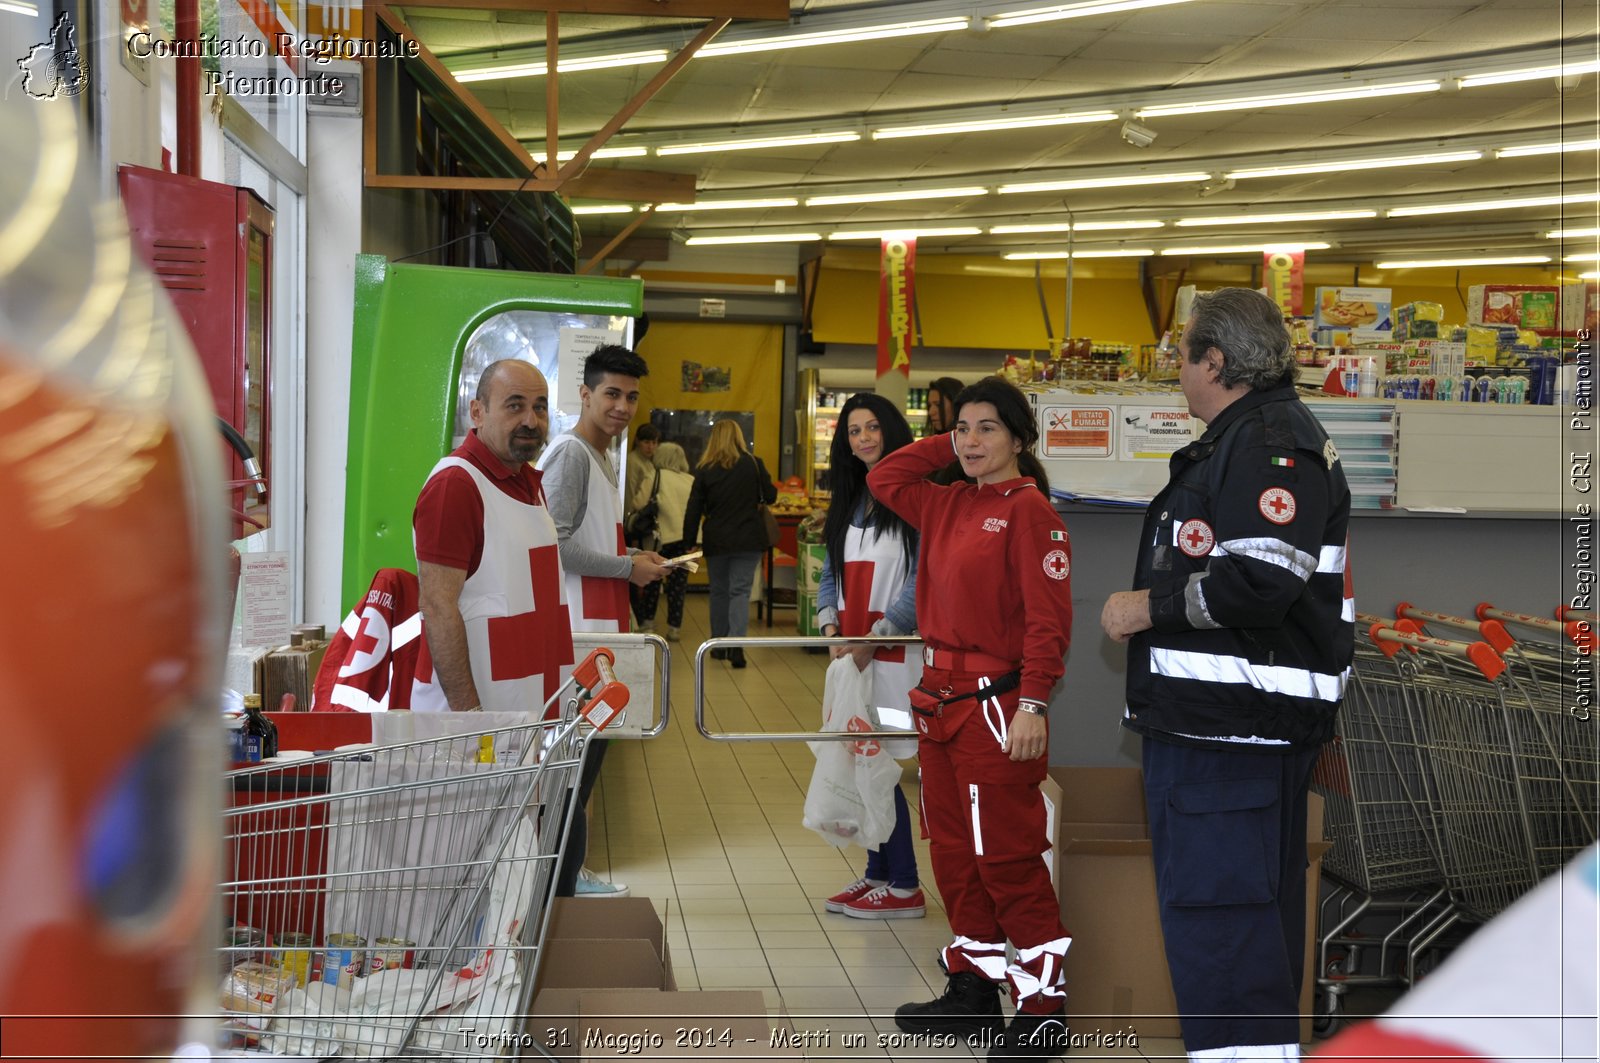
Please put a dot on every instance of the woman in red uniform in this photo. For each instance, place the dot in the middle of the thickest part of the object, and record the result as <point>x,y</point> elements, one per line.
<point>868,587</point>
<point>994,605</point>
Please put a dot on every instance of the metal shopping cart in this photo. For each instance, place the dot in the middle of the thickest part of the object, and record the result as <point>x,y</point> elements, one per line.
<point>382,895</point>
<point>1386,904</point>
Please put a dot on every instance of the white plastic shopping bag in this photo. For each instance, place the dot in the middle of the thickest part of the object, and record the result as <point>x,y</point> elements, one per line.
<point>851,797</point>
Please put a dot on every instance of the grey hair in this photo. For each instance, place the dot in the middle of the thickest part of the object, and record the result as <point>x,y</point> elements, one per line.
<point>1248,329</point>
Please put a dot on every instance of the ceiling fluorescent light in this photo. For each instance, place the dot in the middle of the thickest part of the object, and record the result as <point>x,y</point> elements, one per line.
<point>784,42</point>
<point>1247,249</point>
<point>18,8</point>
<point>876,234</point>
<point>1533,73</point>
<point>1590,276</point>
<point>1429,263</point>
<point>1287,99</point>
<point>603,208</point>
<point>1057,12</point>
<point>1570,234</point>
<point>1491,204</point>
<point>800,140</point>
<point>564,66</point>
<point>1547,149</point>
<point>1082,226</point>
<point>1358,164</point>
<point>1266,219</point>
<point>984,125</point>
<point>602,153</point>
<point>1121,252</point>
<point>728,204</point>
<point>1587,257</point>
<point>904,195</point>
<point>756,238</point>
<point>1106,182</point>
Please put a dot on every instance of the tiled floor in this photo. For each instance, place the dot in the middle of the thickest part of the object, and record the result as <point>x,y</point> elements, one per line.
<point>711,833</point>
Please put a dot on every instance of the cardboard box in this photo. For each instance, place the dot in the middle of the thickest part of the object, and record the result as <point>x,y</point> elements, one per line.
<point>1529,306</point>
<point>1355,308</point>
<point>1116,969</point>
<point>1580,306</point>
<point>707,1024</point>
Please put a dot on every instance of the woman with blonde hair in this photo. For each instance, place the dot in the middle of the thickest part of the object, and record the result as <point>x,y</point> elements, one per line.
<point>729,482</point>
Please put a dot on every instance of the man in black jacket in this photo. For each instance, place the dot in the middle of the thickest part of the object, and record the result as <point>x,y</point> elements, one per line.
<point>1240,630</point>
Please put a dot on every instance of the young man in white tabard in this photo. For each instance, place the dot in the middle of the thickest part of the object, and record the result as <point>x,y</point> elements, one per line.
<point>583,495</point>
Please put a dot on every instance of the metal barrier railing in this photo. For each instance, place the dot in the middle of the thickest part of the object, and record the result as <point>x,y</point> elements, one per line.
<point>706,647</point>
<point>628,671</point>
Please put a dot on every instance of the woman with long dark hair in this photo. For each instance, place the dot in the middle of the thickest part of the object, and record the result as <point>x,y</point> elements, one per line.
<point>868,587</point>
<point>728,482</point>
<point>994,607</point>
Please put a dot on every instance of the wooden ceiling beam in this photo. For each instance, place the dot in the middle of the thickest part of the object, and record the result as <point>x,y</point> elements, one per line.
<point>632,227</point>
<point>777,10</point>
<point>630,185</point>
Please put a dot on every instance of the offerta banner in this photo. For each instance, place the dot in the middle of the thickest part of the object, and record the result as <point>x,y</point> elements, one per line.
<point>1284,273</point>
<point>896,267</point>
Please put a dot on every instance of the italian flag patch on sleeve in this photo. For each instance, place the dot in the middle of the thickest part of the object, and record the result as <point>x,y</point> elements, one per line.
<point>1287,463</point>
<point>1058,536</point>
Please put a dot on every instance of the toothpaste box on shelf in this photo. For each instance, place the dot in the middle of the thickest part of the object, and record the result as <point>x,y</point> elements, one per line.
<point>1528,306</point>
<point>1355,308</point>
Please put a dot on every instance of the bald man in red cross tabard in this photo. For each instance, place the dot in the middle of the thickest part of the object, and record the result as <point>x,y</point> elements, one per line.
<point>494,604</point>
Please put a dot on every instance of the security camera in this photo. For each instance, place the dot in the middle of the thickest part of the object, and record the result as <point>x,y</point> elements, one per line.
<point>1138,135</point>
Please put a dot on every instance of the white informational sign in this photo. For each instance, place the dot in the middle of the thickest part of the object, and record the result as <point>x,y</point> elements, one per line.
<point>1078,432</point>
<point>713,308</point>
<point>1153,433</point>
<point>264,598</point>
<point>575,345</point>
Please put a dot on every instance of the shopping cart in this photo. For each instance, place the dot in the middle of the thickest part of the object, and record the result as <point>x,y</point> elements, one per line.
<point>384,896</point>
<point>1385,904</point>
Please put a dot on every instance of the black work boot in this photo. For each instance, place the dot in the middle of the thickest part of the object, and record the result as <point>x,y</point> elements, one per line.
<point>1033,1036</point>
<point>970,1005</point>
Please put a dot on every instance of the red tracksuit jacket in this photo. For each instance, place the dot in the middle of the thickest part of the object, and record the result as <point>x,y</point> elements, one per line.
<point>993,573</point>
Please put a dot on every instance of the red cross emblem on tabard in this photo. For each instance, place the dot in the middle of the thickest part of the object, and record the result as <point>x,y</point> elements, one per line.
<point>537,642</point>
<point>857,586</point>
<point>604,597</point>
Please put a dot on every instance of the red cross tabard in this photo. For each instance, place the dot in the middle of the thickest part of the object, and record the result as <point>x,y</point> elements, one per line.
<point>853,620</point>
<point>538,642</point>
<point>604,597</point>
<point>364,644</point>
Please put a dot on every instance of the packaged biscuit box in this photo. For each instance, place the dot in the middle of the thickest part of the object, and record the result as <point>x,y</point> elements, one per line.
<point>1528,306</point>
<point>1355,308</point>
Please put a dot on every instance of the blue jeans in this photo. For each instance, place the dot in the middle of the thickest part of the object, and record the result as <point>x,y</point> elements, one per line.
<point>895,860</point>
<point>731,576</point>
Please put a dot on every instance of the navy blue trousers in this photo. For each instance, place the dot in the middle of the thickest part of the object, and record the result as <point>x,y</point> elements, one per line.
<point>1228,835</point>
<point>895,860</point>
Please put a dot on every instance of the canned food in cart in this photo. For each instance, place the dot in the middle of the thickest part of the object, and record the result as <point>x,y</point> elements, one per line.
<point>393,954</point>
<point>294,955</point>
<point>243,945</point>
<point>344,957</point>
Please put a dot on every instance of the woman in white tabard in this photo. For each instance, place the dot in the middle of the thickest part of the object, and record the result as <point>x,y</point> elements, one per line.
<point>869,587</point>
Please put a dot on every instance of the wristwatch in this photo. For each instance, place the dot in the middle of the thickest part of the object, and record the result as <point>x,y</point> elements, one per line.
<point>1032,708</point>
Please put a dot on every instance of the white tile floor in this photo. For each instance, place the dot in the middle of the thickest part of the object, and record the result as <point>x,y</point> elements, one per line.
<point>711,833</point>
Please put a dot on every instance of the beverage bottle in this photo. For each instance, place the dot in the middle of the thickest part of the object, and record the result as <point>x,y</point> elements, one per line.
<point>260,733</point>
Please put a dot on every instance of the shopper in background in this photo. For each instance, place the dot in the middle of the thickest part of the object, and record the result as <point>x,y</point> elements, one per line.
<point>869,587</point>
<point>580,483</point>
<point>479,520</point>
<point>728,483</point>
<point>671,488</point>
<point>1241,630</point>
<point>994,606</point>
<point>641,468</point>
<point>942,404</point>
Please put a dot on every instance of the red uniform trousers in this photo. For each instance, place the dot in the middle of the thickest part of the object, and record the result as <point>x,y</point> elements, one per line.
<point>986,827</point>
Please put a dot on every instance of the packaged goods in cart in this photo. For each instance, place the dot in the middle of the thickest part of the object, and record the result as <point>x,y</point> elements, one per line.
<point>294,955</point>
<point>243,945</point>
<point>344,957</point>
<point>393,954</point>
<point>251,994</point>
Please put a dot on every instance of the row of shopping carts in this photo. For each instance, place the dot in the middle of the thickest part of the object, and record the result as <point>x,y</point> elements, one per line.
<point>1465,770</point>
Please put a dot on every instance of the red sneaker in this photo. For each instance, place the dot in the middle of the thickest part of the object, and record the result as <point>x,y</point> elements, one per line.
<point>856,890</point>
<point>881,904</point>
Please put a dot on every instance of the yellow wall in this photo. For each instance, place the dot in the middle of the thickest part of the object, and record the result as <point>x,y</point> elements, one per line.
<point>753,355</point>
<point>986,302</point>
